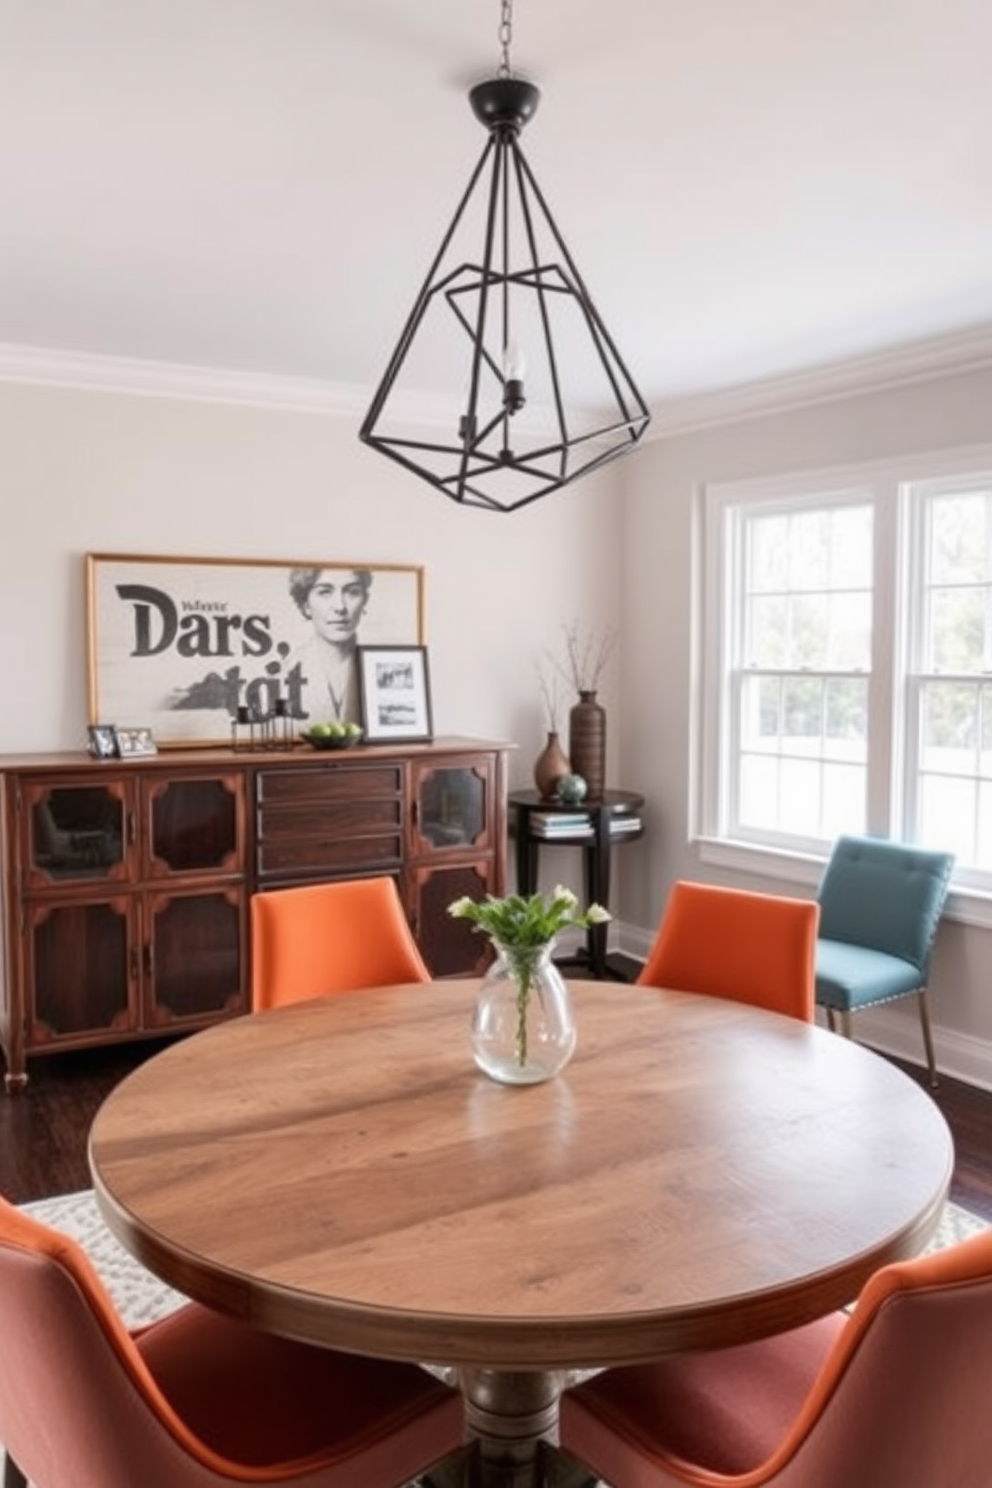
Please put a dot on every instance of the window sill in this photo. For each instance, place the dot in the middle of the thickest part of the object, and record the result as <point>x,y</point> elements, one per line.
<point>966,906</point>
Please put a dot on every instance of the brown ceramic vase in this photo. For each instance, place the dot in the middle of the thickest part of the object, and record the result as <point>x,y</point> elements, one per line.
<point>550,766</point>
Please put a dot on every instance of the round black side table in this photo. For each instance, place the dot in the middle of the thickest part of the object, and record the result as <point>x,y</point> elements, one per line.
<point>595,826</point>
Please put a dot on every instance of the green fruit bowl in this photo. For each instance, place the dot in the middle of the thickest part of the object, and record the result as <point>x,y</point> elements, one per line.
<point>331,741</point>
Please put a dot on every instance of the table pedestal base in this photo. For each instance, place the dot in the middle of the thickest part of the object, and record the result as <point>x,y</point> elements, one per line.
<point>509,1414</point>
<point>511,1421</point>
<point>553,1469</point>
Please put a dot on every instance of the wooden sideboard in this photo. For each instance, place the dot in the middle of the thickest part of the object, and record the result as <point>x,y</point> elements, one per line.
<point>125,885</point>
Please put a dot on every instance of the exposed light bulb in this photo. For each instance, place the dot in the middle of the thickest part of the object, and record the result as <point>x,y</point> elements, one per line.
<point>514,370</point>
<point>514,362</point>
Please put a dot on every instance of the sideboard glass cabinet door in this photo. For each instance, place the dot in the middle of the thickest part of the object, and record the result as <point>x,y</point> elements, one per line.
<point>452,808</point>
<point>454,854</point>
<point>81,961</point>
<point>77,832</point>
<point>194,948</point>
<point>194,825</point>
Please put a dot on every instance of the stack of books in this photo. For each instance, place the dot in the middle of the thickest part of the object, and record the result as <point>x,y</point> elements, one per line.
<point>560,824</point>
<point>577,825</point>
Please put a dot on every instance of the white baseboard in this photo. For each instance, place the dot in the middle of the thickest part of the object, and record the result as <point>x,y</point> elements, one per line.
<point>958,1055</point>
<point>892,1030</point>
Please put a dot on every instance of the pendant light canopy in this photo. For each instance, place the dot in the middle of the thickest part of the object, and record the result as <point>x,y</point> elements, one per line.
<point>539,394</point>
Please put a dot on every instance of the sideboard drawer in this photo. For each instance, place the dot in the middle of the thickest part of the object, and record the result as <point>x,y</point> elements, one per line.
<point>328,782</point>
<point>318,855</point>
<point>351,819</point>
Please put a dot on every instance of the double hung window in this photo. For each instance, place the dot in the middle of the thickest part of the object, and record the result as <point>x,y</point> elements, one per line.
<point>846,639</point>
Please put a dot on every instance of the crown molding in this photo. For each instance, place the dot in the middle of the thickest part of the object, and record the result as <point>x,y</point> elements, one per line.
<point>112,374</point>
<point>918,361</point>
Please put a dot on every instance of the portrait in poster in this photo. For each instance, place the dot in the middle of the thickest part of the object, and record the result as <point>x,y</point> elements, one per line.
<point>184,643</point>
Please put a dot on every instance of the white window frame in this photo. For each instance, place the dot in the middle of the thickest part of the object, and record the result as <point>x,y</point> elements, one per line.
<point>892,488</point>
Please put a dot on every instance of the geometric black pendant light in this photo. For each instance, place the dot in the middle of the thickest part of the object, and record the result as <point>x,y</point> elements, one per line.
<point>539,394</point>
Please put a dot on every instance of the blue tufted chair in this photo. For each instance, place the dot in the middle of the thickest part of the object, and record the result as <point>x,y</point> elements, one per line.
<point>880,903</point>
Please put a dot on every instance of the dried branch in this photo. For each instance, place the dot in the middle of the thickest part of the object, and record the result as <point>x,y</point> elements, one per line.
<point>586,657</point>
<point>548,683</point>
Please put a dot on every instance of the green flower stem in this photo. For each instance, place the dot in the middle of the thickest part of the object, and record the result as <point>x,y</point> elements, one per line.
<point>523,997</point>
<point>522,962</point>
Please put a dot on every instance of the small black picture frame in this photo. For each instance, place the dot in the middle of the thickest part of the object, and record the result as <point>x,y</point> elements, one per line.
<point>102,741</point>
<point>396,695</point>
<point>133,742</point>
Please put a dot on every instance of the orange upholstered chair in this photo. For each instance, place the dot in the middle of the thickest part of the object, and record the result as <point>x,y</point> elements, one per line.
<point>330,937</point>
<point>755,948</point>
<point>194,1401</point>
<point>894,1396</point>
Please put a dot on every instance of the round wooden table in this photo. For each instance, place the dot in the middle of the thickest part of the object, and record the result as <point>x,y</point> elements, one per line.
<point>702,1173</point>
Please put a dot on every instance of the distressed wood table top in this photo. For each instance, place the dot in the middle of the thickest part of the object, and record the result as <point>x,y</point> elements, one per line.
<point>702,1172</point>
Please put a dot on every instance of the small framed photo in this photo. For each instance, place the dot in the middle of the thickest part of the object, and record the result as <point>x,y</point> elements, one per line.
<point>102,741</point>
<point>132,742</point>
<point>395,693</point>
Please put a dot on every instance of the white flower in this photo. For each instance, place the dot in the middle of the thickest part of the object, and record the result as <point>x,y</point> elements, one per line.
<point>526,921</point>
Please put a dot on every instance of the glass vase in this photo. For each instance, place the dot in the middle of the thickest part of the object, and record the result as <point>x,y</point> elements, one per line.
<point>523,1029</point>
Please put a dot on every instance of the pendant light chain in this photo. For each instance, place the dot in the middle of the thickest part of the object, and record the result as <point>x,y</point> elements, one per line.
<point>505,38</point>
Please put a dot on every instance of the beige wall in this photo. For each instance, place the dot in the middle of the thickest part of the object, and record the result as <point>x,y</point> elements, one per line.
<point>90,471</point>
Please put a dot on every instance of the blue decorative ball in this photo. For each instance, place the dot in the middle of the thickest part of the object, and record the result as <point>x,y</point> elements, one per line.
<point>572,789</point>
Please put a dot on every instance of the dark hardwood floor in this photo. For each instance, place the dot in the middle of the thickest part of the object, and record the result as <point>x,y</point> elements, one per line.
<point>968,1112</point>
<point>43,1131</point>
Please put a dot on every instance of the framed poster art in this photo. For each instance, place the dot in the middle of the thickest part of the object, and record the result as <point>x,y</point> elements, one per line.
<point>180,645</point>
<point>396,694</point>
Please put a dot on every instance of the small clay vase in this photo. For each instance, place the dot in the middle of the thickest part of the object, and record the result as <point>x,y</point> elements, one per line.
<point>550,766</point>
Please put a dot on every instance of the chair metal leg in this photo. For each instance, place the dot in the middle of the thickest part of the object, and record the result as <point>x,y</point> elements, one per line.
<point>839,1021</point>
<point>927,1036</point>
<point>842,1017</point>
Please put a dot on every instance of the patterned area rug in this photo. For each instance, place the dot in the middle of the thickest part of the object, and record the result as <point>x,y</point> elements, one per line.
<point>141,1297</point>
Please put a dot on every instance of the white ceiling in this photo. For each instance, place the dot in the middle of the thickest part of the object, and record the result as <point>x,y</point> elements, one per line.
<point>749,190</point>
